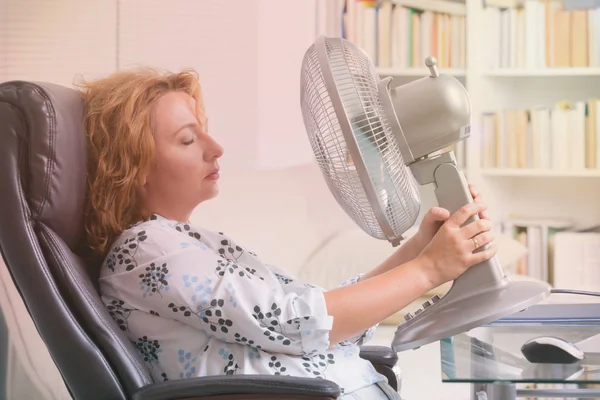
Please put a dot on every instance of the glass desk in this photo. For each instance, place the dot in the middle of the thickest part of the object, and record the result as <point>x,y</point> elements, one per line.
<point>490,359</point>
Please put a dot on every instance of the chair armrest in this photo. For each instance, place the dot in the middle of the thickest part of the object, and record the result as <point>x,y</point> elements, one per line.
<point>241,387</point>
<point>379,355</point>
<point>384,360</point>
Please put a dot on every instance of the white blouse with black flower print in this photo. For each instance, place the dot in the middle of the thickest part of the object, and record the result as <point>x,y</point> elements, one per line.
<point>195,303</point>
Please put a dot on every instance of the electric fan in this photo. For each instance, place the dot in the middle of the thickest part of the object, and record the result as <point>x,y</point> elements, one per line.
<point>375,145</point>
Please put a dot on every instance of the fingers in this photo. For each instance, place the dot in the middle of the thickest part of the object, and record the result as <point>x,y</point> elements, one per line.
<point>484,254</point>
<point>483,214</point>
<point>473,190</point>
<point>476,227</point>
<point>478,242</point>
<point>438,214</point>
<point>464,213</point>
<point>478,198</point>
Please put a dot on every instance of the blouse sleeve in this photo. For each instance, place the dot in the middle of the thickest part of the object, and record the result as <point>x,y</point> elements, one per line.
<point>227,300</point>
<point>366,335</point>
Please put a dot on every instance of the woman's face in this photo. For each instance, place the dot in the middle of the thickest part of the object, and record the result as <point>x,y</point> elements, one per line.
<point>185,168</point>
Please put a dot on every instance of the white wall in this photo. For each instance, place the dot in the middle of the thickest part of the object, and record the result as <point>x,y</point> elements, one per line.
<point>28,354</point>
<point>286,30</point>
<point>220,41</point>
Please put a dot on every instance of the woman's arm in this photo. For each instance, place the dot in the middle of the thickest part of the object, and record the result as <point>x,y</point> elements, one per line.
<point>449,254</point>
<point>430,224</point>
<point>367,302</point>
<point>405,253</point>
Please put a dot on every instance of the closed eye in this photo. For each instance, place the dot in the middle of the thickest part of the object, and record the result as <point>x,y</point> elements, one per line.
<point>191,136</point>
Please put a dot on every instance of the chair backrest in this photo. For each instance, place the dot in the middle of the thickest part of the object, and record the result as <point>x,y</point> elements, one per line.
<point>42,192</point>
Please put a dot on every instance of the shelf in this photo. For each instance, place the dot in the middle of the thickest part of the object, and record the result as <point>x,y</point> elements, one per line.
<point>526,172</point>
<point>440,6</point>
<point>542,72</point>
<point>504,3</point>
<point>419,71</point>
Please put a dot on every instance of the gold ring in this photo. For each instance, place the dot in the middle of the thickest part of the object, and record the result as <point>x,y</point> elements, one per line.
<point>475,243</point>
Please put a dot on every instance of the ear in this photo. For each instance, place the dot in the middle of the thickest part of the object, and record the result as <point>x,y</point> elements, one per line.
<point>142,180</point>
<point>142,177</point>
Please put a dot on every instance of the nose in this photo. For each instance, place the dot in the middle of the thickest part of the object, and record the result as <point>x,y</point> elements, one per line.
<point>213,149</point>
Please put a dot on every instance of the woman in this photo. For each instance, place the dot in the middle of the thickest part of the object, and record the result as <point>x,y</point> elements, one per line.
<point>196,302</point>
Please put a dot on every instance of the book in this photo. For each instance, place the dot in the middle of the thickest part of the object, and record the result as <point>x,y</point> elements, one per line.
<point>537,235</point>
<point>398,36</point>
<point>562,136</point>
<point>541,34</point>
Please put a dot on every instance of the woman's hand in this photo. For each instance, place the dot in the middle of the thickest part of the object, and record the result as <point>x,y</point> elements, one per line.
<point>431,223</point>
<point>435,217</point>
<point>478,198</point>
<point>392,286</point>
<point>452,250</point>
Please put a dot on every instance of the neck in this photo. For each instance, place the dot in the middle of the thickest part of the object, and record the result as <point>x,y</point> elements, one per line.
<point>171,214</point>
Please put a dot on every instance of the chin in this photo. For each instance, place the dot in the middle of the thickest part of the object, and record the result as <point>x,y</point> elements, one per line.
<point>211,194</point>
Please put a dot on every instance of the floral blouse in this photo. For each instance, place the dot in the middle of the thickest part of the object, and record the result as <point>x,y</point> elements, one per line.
<point>195,303</point>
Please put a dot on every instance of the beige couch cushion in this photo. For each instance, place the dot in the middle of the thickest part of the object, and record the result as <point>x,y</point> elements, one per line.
<point>265,211</point>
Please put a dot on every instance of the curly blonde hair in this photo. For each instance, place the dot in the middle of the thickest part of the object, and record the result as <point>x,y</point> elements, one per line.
<point>119,128</point>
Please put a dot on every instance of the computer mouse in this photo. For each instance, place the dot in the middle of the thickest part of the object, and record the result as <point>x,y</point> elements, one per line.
<point>551,350</point>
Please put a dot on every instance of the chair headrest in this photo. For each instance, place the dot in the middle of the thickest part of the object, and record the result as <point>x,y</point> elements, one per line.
<point>48,120</point>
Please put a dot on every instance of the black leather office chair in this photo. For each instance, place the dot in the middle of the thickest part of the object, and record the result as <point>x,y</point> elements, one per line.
<point>42,185</point>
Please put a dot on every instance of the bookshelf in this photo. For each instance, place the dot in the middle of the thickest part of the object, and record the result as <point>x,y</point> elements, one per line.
<point>420,72</point>
<point>440,6</point>
<point>543,67</point>
<point>533,75</point>
<point>535,72</point>
<point>398,34</point>
<point>534,80</point>
<point>539,173</point>
<point>542,72</point>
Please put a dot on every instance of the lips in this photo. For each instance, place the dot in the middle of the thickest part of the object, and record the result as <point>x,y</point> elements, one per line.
<point>213,175</point>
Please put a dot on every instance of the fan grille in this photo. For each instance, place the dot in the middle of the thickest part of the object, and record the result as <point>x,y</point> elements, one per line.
<point>355,79</point>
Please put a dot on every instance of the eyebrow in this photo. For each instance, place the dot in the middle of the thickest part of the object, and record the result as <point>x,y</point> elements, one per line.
<point>188,125</point>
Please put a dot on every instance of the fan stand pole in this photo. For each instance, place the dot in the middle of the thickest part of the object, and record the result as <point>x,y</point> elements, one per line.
<point>480,295</point>
<point>452,192</point>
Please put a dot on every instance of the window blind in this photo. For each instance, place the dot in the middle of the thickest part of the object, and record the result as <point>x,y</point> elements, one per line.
<point>2,41</point>
<point>57,41</point>
<point>247,54</point>
<point>3,35</point>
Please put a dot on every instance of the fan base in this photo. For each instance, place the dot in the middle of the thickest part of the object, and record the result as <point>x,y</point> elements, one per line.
<point>460,312</point>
